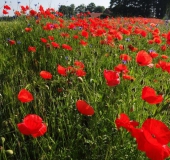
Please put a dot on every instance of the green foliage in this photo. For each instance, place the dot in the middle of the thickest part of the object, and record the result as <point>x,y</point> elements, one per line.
<point>144,8</point>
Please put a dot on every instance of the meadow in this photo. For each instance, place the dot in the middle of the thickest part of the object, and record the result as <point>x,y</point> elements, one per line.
<point>84,88</point>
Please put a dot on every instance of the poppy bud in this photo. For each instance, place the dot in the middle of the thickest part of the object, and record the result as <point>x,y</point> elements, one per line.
<point>3,140</point>
<point>9,151</point>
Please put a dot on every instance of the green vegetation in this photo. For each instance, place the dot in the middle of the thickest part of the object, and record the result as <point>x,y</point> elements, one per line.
<point>71,135</point>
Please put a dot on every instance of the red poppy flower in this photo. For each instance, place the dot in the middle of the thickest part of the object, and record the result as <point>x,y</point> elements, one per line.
<point>164,56</point>
<point>163,65</point>
<point>83,43</point>
<point>17,13</point>
<point>80,73</point>
<point>143,33</point>
<point>33,12</point>
<point>163,47</point>
<point>121,47</point>
<point>152,139</point>
<point>28,29</point>
<point>143,58</point>
<point>157,40</point>
<point>51,38</point>
<point>31,49</point>
<point>168,38</point>
<point>149,95</point>
<point>55,45</point>
<point>153,54</point>
<point>43,40</point>
<point>121,68</point>
<point>71,69</point>
<point>111,77</point>
<point>4,11</point>
<point>125,122</point>
<point>61,70</point>
<point>84,108</point>
<point>25,96</point>
<point>128,77</point>
<point>75,36</point>
<point>32,125</point>
<point>118,36</point>
<point>12,42</point>
<point>7,7</point>
<point>151,41</point>
<point>79,64</point>
<point>66,35</point>
<point>45,75</point>
<point>84,34</point>
<point>67,47</point>
<point>125,57</point>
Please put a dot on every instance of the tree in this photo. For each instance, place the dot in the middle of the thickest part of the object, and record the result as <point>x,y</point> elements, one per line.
<point>63,9</point>
<point>145,8</point>
<point>91,7</point>
<point>99,9</point>
<point>81,8</point>
<point>168,10</point>
<point>71,10</point>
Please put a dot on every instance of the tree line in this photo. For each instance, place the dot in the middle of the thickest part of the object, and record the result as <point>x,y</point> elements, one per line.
<point>71,10</point>
<point>144,8</point>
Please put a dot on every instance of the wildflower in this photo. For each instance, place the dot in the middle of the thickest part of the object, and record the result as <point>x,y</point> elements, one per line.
<point>124,121</point>
<point>164,56</point>
<point>61,70</point>
<point>80,72</point>
<point>67,47</point>
<point>4,11</point>
<point>51,38</point>
<point>153,138</point>
<point>79,64</point>
<point>83,43</point>
<point>31,49</point>
<point>25,96</point>
<point>128,77</point>
<point>55,45</point>
<point>32,125</point>
<point>112,78</point>
<point>45,75</point>
<point>84,34</point>
<point>43,40</point>
<point>149,95</point>
<point>121,68</point>
<point>28,29</point>
<point>143,58</point>
<point>125,57</point>
<point>12,42</point>
<point>7,7</point>
<point>84,108</point>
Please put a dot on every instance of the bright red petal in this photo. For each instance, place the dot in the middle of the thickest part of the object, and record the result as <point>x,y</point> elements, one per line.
<point>33,122</point>
<point>41,131</point>
<point>25,96</point>
<point>45,75</point>
<point>23,129</point>
<point>84,108</point>
<point>161,132</point>
<point>149,95</point>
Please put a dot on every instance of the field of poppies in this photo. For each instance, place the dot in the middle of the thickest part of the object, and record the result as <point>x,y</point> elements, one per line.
<point>84,88</point>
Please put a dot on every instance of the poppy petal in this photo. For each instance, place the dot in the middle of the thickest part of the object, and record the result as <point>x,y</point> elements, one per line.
<point>84,108</point>
<point>25,96</point>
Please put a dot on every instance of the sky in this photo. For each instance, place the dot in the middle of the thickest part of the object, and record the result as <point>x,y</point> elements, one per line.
<point>15,4</point>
